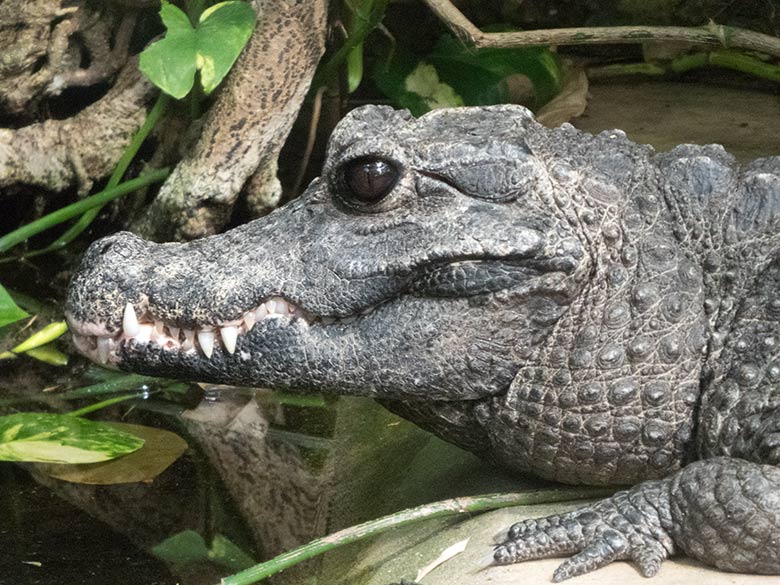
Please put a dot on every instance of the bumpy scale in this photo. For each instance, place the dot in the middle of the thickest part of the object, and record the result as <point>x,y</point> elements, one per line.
<point>570,305</point>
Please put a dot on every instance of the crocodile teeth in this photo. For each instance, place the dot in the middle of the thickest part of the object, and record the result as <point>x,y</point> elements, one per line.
<point>206,340</point>
<point>144,334</point>
<point>189,340</point>
<point>142,328</point>
<point>130,321</point>
<point>229,336</point>
<point>277,306</point>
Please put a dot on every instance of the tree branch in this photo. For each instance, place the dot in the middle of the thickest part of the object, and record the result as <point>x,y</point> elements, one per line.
<point>712,35</point>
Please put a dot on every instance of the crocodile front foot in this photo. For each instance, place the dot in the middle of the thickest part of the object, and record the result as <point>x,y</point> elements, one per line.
<point>626,526</point>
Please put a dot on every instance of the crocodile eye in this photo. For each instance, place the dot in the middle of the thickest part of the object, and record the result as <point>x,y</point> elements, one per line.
<point>368,179</point>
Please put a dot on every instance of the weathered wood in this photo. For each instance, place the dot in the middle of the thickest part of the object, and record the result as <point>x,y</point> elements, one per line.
<point>246,128</point>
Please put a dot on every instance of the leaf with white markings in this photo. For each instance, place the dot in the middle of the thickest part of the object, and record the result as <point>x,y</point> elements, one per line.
<point>59,438</point>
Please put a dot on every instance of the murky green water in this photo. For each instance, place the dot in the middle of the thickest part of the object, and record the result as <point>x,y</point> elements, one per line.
<point>264,472</point>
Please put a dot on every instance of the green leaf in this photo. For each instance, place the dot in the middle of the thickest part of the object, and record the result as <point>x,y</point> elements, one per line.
<point>391,79</point>
<point>479,74</point>
<point>424,81</point>
<point>212,48</point>
<point>224,30</point>
<point>48,354</point>
<point>170,62</point>
<point>454,74</point>
<point>160,449</point>
<point>60,438</point>
<point>46,335</point>
<point>9,310</point>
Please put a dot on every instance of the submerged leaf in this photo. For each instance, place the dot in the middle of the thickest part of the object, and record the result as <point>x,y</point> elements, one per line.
<point>227,553</point>
<point>182,550</point>
<point>161,448</point>
<point>60,438</point>
<point>187,548</point>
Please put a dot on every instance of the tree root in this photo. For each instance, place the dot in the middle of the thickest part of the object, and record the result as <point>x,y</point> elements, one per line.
<point>245,129</point>
<point>56,154</point>
<point>46,42</point>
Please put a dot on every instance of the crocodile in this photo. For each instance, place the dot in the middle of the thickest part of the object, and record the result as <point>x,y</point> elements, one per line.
<point>571,305</point>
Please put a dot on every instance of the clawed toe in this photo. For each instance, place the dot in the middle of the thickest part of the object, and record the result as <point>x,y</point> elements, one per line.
<point>595,536</point>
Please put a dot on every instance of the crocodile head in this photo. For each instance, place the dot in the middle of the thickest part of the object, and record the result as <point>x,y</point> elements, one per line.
<point>425,262</point>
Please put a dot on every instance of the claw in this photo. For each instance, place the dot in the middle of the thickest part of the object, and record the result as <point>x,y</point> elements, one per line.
<point>610,547</point>
<point>610,530</point>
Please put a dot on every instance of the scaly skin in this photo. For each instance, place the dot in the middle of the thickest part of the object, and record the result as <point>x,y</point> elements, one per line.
<point>575,306</point>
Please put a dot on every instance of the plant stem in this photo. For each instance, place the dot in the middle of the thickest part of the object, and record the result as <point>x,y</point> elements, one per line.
<point>728,59</point>
<point>405,517</point>
<point>104,404</point>
<point>614,69</point>
<point>158,109</point>
<point>361,31</point>
<point>128,382</point>
<point>17,236</point>
<point>112,386</point>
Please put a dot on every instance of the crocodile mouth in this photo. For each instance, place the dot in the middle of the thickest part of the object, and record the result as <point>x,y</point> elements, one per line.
<point>143,331</point>
<point>139,327</point>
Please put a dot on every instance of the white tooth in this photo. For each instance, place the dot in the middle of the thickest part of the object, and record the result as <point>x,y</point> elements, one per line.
<point>189,340</point>
<point>103,348</point>
<point>144,334</point>
<point>291,308</point>
<point>229,335</point>
<point>270,306</point>
<point>249,320</point>
<point>174,333</point>
<point>261,313</point>
<point>159,327</point>
<point>206,340</point>
<point>130,321</point>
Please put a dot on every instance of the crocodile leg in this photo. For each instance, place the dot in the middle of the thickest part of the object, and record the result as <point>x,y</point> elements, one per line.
<point>722,511</point>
